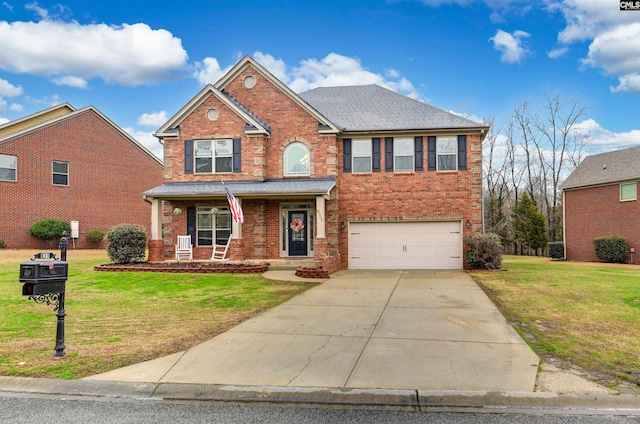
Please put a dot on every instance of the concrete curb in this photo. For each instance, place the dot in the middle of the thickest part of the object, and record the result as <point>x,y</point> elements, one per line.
<point>403,399</point>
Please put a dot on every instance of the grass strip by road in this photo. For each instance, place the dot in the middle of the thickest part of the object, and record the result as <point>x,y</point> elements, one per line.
<point>115,319</point>
<point>585,314</point>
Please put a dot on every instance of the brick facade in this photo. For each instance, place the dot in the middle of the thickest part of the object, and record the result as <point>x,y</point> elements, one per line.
<point>107,176</point>
<point>597,212</point>
<point>382,196</point>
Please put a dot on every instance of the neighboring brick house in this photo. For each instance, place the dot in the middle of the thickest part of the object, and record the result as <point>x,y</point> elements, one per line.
<point>600,199</point>
<point>72,165</point>
<point>353,177</point>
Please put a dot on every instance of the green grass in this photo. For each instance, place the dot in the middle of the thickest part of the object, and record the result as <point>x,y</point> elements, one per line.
<point>116,319</point>
<point>585,314</point>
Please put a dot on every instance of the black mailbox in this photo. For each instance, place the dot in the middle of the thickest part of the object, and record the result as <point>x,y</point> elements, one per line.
<point>44,274</point>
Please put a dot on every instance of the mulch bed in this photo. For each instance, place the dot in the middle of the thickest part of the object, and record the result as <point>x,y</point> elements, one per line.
<point>191,267</point>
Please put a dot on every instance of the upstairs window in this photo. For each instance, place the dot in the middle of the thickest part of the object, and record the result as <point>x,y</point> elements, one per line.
<point>403,160</point>
<point>213,156</point>
<point>60,173</point>
<point>296,160</point>
<point>361,155</point>
<point>628,192</point>
<point>446,151</point>
<point>8,166</point>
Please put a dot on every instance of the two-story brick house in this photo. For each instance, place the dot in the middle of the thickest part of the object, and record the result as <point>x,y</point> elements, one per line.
<point>75,165</point>
<point>357,177</point>
<point>600,198</point>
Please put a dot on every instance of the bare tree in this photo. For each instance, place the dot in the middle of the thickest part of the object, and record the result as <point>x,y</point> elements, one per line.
<point>559,148</point>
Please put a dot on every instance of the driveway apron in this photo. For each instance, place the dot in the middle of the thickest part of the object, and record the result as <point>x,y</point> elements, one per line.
<point>422,330</point>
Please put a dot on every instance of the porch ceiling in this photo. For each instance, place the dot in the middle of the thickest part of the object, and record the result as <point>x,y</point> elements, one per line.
<point>244,189</point>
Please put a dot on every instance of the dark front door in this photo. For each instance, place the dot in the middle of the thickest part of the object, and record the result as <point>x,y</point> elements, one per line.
<point>298,233</point>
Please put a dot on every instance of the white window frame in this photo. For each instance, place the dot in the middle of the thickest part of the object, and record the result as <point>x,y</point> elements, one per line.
<point>356,155</point>
<point>218,227</point>
<point>635,195</point>
<point>448,150</point>
<point>305,160</point>
<point>54,173</point>
<point>213,155</point>
<point>397,155</point>
<point>5,163</point>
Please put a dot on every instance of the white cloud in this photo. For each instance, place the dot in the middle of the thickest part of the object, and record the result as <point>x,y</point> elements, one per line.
<point>208,71</point>
<point>606,140</point>
<point>127,54</point>
<point>15,107</point>
<point>276,66</point>
<point>612,34</point>
<point>510,45</point>
<point>147,140</point>
<point>153,119</point>
<point>9,90</point>
<point>556,53</point>
<point>71,81</point>
<point>3,120</point>
<point>618,52</point>
<point>338,70</point>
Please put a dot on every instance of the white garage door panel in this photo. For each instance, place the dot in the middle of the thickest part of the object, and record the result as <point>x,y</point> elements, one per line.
<point>405,245</point>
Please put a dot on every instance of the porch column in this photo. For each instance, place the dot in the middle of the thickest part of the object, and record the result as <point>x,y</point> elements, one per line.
<point>156,219</point>
<point>320,217</point>
<point>236,227</point>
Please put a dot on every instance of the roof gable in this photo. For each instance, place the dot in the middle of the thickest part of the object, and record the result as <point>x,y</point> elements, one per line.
<point>254,124</point>
<point>606,168</point>
<point>325,125</point>
<point>29,121</point>
<point>63,113</point>
<point>374,108</point>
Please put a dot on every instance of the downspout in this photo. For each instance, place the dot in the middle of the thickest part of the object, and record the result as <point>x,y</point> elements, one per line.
<point>147,200</point>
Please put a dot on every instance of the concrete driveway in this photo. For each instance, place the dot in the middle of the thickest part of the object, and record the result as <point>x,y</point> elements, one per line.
<point>422,330</point>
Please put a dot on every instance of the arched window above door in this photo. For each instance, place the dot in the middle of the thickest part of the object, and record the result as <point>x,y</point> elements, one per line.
<point>296,160</point>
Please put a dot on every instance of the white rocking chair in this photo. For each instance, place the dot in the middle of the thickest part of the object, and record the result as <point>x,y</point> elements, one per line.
<point>220,251</point>
<point>184,248</point>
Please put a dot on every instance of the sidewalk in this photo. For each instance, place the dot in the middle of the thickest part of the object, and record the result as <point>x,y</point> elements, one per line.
<point>391,330</point>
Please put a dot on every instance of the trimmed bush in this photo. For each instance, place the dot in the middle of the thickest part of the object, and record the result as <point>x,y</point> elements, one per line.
<point>95,236</point>
<point>611,248</point>
<point>3,245</point>
<point>556,250</point>
<point>50,230</point>
<point>127,243</point>
<point>483,251</point>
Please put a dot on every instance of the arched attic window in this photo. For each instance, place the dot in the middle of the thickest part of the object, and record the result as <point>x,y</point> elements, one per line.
<point>296,160</point>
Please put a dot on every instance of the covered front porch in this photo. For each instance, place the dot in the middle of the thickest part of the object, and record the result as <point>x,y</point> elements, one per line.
<point>284,220</point>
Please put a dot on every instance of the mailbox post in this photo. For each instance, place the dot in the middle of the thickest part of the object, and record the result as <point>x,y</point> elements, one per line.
<point>44,278</point>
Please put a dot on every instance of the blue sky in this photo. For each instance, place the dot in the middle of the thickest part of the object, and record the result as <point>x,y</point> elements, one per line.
<point>140,61</point>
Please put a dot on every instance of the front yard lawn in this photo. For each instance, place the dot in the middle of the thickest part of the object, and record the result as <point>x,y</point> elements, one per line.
<point>585,314</point>
<point>116,319</point>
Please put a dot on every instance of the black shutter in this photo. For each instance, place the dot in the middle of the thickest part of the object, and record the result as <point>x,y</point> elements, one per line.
<point>375,145</point>
<point>191,224</point>
<point>188,156</point>
<point>237,155</point>
<point>462,152</point>
<point>388,154</point>
<point>418,153</point>
<point>346,155</point>
<point>431,152</point>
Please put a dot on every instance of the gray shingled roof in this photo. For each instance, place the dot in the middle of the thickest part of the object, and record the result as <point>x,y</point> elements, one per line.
<point>373,108</point>
<point>620,165</point>
<point>308,186</point>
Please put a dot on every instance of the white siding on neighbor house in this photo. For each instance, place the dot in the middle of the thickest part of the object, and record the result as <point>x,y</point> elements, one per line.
<point>405,245</point>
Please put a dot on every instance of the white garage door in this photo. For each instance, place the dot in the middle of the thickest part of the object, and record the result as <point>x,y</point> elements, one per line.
<point>405,245</point>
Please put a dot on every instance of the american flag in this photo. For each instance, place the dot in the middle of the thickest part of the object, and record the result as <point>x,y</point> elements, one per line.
<point>236,209</point>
